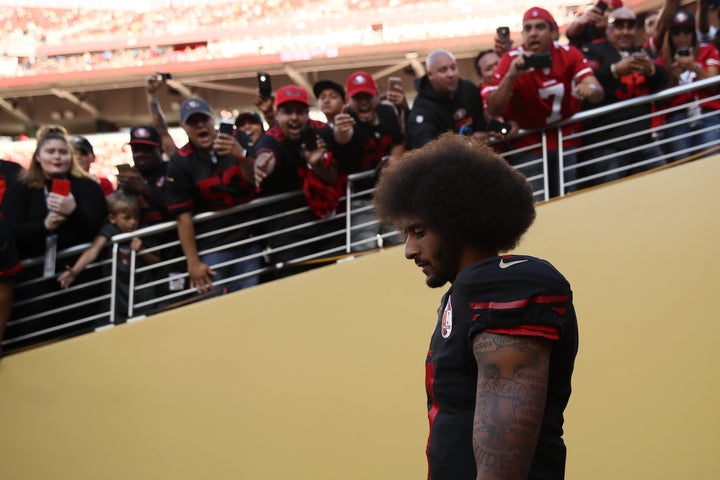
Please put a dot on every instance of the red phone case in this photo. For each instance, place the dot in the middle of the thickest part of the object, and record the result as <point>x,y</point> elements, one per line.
<point>61,186</point>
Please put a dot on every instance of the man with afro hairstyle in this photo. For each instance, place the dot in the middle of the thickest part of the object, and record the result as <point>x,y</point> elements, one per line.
<point>501,357</point>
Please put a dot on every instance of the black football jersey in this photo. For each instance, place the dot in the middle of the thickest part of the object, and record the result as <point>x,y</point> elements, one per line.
<point>511,294</point>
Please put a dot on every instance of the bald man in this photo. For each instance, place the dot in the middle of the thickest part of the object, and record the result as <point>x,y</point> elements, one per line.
<point>445,102</point>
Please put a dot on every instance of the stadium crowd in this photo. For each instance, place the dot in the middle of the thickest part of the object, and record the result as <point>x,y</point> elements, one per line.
<point>56,201</point>
<point>230,29</point>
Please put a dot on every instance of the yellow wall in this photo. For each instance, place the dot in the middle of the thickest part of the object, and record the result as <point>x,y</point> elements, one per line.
<point>320,376</point>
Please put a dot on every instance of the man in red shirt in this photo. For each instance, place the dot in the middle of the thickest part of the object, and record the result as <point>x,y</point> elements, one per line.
<point>538,97</point>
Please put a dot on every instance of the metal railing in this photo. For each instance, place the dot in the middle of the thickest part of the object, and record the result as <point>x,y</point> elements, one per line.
<point>281,238</point>
<point>570,177</point>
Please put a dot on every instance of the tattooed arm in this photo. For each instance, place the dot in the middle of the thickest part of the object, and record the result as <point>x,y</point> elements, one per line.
<point>152,83</point>
<point>510,402</point>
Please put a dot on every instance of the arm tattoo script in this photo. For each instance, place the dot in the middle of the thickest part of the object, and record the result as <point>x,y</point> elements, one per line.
<point>158,117</point>
<point>510,401</point>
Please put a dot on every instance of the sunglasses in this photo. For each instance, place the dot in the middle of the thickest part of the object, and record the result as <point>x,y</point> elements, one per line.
<point>624,23</point>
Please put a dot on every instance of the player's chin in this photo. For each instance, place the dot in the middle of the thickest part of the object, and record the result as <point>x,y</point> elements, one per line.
<point>434,281</point>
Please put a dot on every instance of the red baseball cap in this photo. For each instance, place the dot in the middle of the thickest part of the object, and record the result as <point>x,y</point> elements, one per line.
<point>540,13</point>
<point>291,93</point>
<point>615,4</point>
<point>360,82</point>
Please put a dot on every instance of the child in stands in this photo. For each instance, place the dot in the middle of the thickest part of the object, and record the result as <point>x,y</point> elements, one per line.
<point>123,218</point>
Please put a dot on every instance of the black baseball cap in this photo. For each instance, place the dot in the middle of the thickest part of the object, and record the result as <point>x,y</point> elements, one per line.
<point>145,135</point>
<point>248,116</point>
<point>193,105</point>
<point>82,144</point>
<point>325,84</point>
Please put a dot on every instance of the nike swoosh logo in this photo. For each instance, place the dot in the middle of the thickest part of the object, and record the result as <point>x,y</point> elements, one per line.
<point>504,264</point>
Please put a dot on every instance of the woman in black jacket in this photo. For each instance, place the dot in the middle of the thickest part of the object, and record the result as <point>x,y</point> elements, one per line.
<point>54,205</point>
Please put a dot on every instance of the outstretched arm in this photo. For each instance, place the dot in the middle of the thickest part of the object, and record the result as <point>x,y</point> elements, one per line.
<point>87,257</point>
<point>199,272</point>
<point>153,82</point>
<point>510,403</point>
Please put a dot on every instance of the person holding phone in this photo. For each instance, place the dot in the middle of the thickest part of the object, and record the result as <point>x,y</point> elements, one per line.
<point>689,61</point>
<point>538,97</point>
<point>286,162</point>
<point>54,205</point>
<point>589,25</point>
<point>625,72</point>
<point>205,175</point>
<point>148,177</point>
<point>153,83</point>
<point>377,139</point>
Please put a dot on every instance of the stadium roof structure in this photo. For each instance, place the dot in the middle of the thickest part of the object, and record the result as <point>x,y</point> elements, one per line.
<point>217,64</point>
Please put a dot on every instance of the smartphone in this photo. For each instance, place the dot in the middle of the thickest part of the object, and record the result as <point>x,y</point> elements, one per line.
<point>683,52</point>
<point>602,6</point>
<point>503,32</point>
<point>393,82</point>
<point>538,60</point>
<point>309,138</point>
<point>227,128</point>
<point>60,186</point>
<point>165,76</point>
<point>639,54</point>
<point>494,125</point>
<point>124,168</point>
<point>264,84</point>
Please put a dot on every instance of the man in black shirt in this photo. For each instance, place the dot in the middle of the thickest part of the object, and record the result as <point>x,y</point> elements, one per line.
<point>287,162</point>
<point>445,102</point>
<point>501,357</point>
<point>202,179</point>
<point>624,72</point>
<point>376,138</point>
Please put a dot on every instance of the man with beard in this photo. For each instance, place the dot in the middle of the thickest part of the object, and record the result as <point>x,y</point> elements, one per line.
<point>376,138</point>
<point>538,97</point>
<point>499,368</point>
<point>625,72</point>
<point>208,175</point>
<point>147,179</point>
<point>445,102</point>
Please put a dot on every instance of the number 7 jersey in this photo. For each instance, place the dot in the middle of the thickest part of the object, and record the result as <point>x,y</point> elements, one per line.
<point>545,95</point>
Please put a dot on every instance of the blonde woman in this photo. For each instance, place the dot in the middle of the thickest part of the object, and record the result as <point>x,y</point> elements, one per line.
<point>54,205</point>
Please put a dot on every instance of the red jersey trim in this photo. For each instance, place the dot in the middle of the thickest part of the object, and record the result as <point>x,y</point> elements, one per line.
<point>518,303</point>
<point>12,271</point>
<point>187,205</point>
<point>544,331</point>
<point>432,413</point>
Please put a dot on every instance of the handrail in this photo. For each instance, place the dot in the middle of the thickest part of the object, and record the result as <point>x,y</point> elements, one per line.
<point>150,286</point>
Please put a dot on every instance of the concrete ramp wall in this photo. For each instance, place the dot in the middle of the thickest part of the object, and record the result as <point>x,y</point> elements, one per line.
<point>320,376</point>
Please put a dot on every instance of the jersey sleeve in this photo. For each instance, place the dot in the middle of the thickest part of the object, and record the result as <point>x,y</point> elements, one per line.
<point>580,66</point>
<point>529,297</point>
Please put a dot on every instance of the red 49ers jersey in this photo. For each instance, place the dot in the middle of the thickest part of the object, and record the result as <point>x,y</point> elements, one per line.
<point>544,95</point>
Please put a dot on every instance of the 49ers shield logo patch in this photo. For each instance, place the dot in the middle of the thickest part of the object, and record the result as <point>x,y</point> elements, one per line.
<point>446,321</point>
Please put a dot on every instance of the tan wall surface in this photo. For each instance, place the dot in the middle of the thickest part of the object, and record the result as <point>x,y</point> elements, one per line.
<point>320,376</point>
